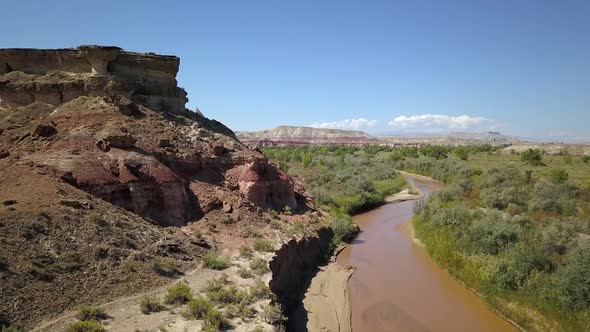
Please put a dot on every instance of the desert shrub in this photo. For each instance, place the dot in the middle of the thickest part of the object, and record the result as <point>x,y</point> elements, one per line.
<point>343,228</point>
<point>573,280</point>
<point>179,293</point>
<point>85,326</point>
<point>259,290</point>
<point>462,152</point>
<point>149,304</point>
<point>227,295</point>
<point>451,216</point>
<point>245,273</point>
<point>246,251</point>
<point>39,272</point>
<point>559,175</point>
<point>493,233</point>
<point>273,314</point>
<point>388,187</point>
<point>435,151</point>
<point>4,328</point>
<point>165,266</point>
<point>523,261</point>
<point>87,313</point>
<point>215,261</point>
<point>97,219</point>
<point>264,245</point>
<point>214,319</point>
<point>586,160</point>
<point>501,187</point>
<point>198,307</point>
<point>532,157</point>
<point>102,251</point>
<point>259,266</point>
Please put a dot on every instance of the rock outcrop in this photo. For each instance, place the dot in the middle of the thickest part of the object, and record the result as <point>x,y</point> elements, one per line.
<point>114,124</point>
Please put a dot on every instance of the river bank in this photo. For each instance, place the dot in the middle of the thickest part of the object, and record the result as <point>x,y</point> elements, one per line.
<point>398,287</point>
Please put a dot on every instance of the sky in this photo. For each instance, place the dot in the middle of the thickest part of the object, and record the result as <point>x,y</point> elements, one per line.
<point>520,67</point>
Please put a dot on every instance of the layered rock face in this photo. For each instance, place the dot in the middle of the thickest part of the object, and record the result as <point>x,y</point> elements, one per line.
<point>58,76</point>
<point>114,124</point>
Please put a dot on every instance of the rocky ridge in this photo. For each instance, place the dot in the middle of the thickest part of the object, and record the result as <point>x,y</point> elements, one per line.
<point>98,152</point>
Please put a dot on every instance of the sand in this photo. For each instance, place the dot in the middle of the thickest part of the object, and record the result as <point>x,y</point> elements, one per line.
<point>327,300</point>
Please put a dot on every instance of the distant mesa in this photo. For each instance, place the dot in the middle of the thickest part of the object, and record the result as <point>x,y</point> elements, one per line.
<point>300,136</point>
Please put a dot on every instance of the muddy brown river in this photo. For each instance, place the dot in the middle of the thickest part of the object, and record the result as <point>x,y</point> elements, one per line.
<point>397,286</point>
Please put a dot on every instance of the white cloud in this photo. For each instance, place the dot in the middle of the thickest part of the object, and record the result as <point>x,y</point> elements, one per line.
<point>354,124</point>
<point>438,122</point>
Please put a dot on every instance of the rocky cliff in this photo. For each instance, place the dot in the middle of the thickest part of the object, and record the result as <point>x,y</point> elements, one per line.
<point>113,123</point>
<point>98,152</point>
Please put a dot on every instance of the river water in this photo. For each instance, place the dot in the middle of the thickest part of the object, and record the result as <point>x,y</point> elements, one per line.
<point>397,286</point>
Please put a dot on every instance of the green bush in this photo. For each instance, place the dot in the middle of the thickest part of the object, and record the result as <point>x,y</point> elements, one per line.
<point>215,319</point>
<point>149,304</point>
<point>264,245</point>
<point>198,307</point>
<point>343,228</point>
<point>246,251</point>
<point>259,266</point>
<point>532,157</point>
<point>165,266</point>
<point>259,290</point>
<point>85,326</point>
<point>216,262</point>
<point>573,280</point>
<point>273,314</point>
<point>559,175</point>
<point>227,295</point>
<point>179,293</point>
<point>88,313</point>
<point>245,273</point>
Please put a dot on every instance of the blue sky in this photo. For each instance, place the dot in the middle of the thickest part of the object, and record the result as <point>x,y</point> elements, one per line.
<point>521,67</point>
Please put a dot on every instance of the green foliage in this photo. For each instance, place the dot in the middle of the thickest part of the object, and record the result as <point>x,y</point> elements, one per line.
<point>214,319</point>
<point>87,312</point>
<point>165,266</point>
<point>462,152</point>
<point>179,293</point>
<point>85,326</point>
<point>516,237</point>
<point>273,314</point>
<point>343,228</point>
<point>259,290</point>
<point>149,304</point>
<point>264,245</point>
<point>246,251</point>
<point>215,261</point>
<point>532,157</point>
<point>435,151</point>
<point>259,266</point>
<point>573,280</point>
<point>198,308</point>
<point>559,175</point>
<point>586,160</point>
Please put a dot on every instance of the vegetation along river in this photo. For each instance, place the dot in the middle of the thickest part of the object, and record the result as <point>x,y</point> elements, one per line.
<point>397,286</point>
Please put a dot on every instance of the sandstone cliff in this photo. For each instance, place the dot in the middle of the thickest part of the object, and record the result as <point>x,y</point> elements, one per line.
<point>97,152</point>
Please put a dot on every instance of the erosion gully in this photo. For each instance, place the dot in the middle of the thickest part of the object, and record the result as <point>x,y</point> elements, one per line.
<point>397,286</point>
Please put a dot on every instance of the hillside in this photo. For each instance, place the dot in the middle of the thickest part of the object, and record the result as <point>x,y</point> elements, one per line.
<point>106,174</point>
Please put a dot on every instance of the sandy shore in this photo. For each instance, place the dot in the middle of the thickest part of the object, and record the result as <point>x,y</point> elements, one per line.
<point>327,300</point>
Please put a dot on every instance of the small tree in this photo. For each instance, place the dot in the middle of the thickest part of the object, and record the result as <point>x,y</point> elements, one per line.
<point>559,175</point>
<point>462,153</point>
<point>532,156</point>
<point>586,159</point>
